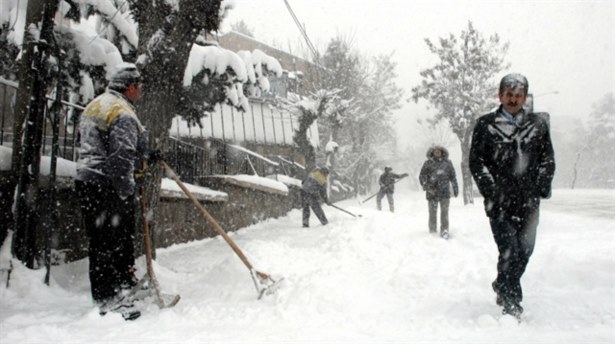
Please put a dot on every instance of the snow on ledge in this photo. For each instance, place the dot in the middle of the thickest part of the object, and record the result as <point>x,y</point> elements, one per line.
<point>67,169</point>
<point>254,182</point>
<point>288,181</point>
<point>170,189</point>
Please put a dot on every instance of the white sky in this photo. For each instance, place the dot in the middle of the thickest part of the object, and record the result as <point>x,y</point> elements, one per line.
<point>564,46</point>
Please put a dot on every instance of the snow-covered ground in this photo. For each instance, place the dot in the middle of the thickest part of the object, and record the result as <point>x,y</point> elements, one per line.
<point>372,279</point>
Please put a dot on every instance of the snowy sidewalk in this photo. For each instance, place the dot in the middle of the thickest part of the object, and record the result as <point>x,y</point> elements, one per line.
<point>378,278</point>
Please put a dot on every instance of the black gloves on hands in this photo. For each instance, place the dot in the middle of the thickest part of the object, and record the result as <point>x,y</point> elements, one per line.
<point>154,156</point>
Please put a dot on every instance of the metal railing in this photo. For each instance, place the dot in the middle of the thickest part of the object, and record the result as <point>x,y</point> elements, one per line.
<point>192,157</point>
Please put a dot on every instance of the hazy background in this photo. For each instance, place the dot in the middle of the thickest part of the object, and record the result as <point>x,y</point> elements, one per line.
<point>565,48</point>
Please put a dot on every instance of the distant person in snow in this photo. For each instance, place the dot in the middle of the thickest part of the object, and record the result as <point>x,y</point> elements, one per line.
<point>113,143</point>
<point>436,178</point>
<point>387,187</point>
<point>512,162</point>
<point>313,189</point>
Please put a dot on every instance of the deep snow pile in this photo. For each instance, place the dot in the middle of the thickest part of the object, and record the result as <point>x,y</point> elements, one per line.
<point>378,278</point>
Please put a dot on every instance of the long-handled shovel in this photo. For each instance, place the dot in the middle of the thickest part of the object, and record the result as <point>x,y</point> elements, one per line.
<point>344,210</point>
<point>374,195</point>
<point>263,282</point>
<point>151,276</point>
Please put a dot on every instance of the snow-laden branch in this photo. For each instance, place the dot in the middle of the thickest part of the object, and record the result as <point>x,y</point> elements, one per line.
<point>120,17</point>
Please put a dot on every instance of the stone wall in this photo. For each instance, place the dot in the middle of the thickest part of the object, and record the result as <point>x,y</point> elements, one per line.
<point>179,221</point>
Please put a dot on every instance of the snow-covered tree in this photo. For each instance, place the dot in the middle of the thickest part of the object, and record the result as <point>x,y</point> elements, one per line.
<point>595,154</point>
<point>176,70</point>
<point>308,110</point>
<point>242,28</point>
<point>365,99</point>
<point>461,86</point>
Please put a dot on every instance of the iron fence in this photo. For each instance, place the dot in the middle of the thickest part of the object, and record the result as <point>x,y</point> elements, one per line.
<point>192,157</point>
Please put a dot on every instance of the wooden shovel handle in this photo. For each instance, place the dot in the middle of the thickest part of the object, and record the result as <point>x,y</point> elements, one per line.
<point>213,221</point>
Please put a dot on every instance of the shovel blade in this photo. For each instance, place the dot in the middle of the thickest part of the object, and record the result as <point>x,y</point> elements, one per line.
<point>269,287</point>
<point>265,285</point>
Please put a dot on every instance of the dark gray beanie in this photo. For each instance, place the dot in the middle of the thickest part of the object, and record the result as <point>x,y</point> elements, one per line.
<point>124,75</point>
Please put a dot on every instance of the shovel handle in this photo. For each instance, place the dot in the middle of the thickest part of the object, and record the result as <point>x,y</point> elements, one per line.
<point>213,221</point>
<point>148,250</point>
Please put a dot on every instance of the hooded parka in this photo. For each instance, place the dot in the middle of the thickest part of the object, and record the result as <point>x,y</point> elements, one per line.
<point>437,175</point>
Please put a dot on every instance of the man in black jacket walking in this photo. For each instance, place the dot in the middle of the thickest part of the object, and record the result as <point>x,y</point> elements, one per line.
<point>512,162</point>
<point>436,178</point>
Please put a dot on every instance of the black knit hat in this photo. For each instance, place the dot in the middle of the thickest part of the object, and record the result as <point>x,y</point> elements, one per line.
<point>124,75</point>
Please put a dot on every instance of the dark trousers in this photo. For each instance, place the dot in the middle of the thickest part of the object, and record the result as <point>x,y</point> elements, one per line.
<point>110,227</point>
<point>312,200</point>
<point>515,237</point>
<point>381,195</point>
<point>433,212</point>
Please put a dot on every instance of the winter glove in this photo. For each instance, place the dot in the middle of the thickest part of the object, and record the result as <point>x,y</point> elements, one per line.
<point>139,178</point>
<point>154,156</point>
<point>544,192</point>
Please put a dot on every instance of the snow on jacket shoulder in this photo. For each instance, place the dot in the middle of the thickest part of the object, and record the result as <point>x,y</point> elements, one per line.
<point>113,141</point>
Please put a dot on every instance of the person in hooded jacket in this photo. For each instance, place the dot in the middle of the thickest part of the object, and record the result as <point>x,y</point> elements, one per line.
<point>387,187</point>
<point>313,189</point>
<point>436,178</point>
<point>512,162</point>
<point>113,143</point>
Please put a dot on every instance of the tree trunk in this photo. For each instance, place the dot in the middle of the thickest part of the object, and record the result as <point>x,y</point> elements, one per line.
<point>574,170</point>
<point>305,146</point>
<point>466,175</point>
<point>22,108</point>
<point>27,198</point>
<point>163,74</point>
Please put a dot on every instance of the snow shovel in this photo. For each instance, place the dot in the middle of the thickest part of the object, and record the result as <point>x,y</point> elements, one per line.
<point>374,195</point>
<point>162,300</point>
<point>265,285</point>
<point>344,210</point>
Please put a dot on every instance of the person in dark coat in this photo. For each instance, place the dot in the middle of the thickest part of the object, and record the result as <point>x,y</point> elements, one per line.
<point>113,143</point>
<point>436,178</point>
<point>512,162</point>
<point>313,189</point>
<point>387,187</point>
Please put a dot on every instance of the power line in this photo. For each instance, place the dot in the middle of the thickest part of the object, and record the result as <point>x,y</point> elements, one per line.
<point>303,32</point>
